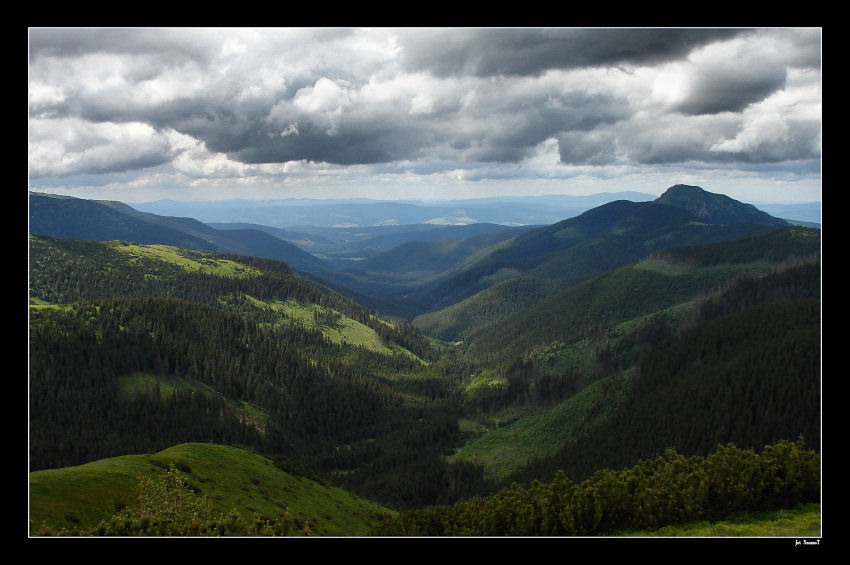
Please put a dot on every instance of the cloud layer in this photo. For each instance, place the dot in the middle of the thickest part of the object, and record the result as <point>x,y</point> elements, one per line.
<point>232,107</point>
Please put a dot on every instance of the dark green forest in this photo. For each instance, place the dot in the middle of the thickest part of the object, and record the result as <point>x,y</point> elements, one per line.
<point>330,407</point>
<point>751,378</point>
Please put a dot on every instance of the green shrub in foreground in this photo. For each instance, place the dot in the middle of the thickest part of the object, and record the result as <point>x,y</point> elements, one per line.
<point>168,507</point>
<point>669,489</point>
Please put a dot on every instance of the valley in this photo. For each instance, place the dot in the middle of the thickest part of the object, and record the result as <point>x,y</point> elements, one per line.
<point>386,379</point>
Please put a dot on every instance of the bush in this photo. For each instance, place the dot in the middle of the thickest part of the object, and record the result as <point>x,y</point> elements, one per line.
<point>669,489</point>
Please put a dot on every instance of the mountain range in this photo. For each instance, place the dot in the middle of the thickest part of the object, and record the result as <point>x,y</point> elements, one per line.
<point>411,269</point>
<point>420,365</point>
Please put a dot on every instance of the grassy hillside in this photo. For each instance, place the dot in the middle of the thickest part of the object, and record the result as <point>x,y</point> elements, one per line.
<point>229,477</point>
<point>192,262</point>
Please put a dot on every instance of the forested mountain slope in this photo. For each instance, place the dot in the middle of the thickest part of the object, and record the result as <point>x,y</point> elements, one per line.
<point>406,269</point>
<point>496,315</point>
<point>638,290</point>
<point>535,362</point>
<point>260,289</point>
<point>750,378</point>
<point>169,345</point>
<point>421,276</point>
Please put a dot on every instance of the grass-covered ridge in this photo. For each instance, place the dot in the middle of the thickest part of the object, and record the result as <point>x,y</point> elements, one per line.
<point>191,261</point>
<point>334,325</point>
<point>229,477</point>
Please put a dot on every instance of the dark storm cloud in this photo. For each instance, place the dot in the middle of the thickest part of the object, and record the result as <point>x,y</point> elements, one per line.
<point>351,145</point>
<point>488,52</point>
<point>731,88</point>
<point>587,148</point>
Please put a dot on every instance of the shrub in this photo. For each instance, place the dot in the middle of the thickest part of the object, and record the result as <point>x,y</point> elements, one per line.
<point>666,490</point>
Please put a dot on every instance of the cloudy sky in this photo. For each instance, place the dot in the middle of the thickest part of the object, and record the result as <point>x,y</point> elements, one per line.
<point>211,113</point>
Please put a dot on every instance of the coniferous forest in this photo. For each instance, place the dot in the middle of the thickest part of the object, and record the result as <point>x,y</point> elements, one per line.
<point>707,357</point>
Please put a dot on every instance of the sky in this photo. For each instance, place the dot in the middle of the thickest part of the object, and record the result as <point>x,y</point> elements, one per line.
<point>143,114</point>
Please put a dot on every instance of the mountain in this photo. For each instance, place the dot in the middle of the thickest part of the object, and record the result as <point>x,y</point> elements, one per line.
<point>75,218</point>
<point>601,239</point>
<point>583,358</point>
<point>264,291</point>
<point>102,220</point>
<point>408,267</point>
<point>550,259</point>
<point>716,208</point>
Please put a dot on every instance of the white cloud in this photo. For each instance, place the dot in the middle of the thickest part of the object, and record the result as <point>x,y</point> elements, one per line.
<point>72,146</point>
<point>324,96</point>
<point>192,159</point>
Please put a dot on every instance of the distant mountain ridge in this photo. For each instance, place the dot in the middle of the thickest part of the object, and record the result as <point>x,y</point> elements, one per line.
<point>105,220</point>
<point>358,212</point>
